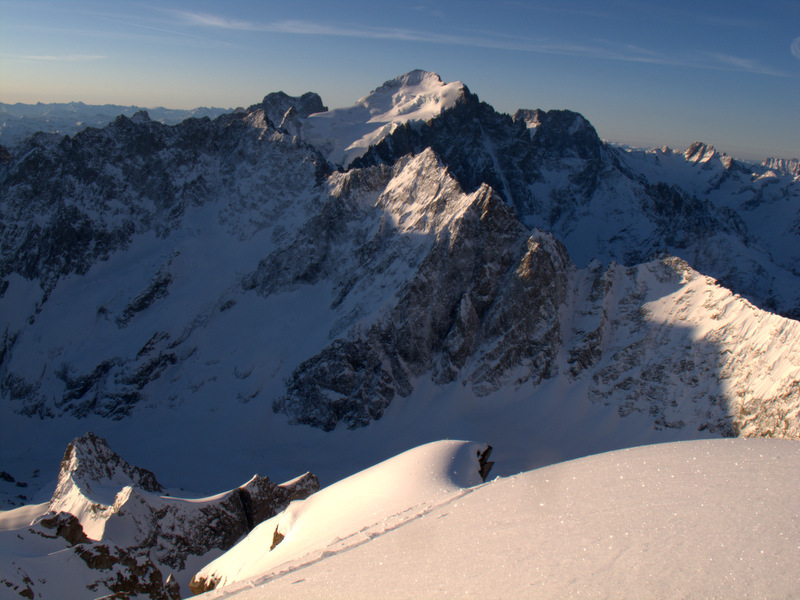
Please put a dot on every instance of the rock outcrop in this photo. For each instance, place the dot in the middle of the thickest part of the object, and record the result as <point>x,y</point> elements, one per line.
<point>131,536</point>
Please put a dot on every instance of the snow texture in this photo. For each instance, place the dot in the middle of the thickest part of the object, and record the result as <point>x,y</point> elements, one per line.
<point>346,133</point>
<point>703,519</point>
<point>352,511</point>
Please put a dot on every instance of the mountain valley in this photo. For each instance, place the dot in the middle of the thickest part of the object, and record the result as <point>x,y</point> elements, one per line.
<point>288,289</point>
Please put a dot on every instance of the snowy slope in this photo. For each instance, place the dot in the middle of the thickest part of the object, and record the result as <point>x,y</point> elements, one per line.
<point>709,519</point>
<point>346,133</point>
<point>351,512</point>
<point>224,288</point>
<point>267,291</point>
<point>764,199</point>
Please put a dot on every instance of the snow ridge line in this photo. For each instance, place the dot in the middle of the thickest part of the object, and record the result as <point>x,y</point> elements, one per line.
<point>378,529</point>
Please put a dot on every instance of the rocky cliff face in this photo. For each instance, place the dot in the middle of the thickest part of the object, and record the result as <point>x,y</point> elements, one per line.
<point>478,276</point>
<point>422,245</point>
<point>662,340</point>
<point>787,165</point>
<point>219,280</point>
<point>557,174</point>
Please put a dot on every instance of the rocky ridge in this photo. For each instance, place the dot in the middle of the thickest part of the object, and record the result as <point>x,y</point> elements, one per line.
<point>126,535</point>
<point>787,165</point>
<point>431,268</point>
<point>154,274</point>
<point>20,121</point>
<point>70,202</point>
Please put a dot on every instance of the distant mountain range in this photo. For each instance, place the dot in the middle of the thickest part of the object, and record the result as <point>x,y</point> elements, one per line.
<point>19,121</point>
<point>287,288</point>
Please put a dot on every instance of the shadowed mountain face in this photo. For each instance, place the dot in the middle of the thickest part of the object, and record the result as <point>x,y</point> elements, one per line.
<point>163,275</point>
<point>557,174</point>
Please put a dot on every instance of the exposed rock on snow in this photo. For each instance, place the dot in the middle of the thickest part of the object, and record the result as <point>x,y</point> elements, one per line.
<point>786,165</point>
<point>88,462</point>
<point>477,277</point>
<point>352,511</point>
<point>468,274</point>
<point>684,343</point>
<point>127,532</point>
<point>70,202</point>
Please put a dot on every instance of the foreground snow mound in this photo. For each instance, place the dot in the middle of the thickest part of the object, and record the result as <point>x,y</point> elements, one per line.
<point>701,519</point>
<point>351,512</point>
<point>110,527</point>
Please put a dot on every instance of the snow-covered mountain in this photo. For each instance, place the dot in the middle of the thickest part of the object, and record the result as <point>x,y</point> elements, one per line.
<point>111,528</point>
<point>786,165</point>
<point>20,121</point>
<point>288,289</point>
<point>347,133</point>
<point>736,223</point>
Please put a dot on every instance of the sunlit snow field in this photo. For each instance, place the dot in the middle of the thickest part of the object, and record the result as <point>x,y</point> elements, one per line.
<point>701,519</point>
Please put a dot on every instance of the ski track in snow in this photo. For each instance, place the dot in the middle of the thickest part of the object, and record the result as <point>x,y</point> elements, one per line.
<point>686,520</point>
<point>344,544</point>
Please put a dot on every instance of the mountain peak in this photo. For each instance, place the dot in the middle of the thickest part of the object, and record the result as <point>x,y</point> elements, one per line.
<point>344,134</point>
<point>563,131</point>
<point>415,77</point>
<point>276,105</point>
<point>416,88</point>
<point>699,152</point>
<point>90,459</point>
<point>141,117</point>
<point>785,165</point>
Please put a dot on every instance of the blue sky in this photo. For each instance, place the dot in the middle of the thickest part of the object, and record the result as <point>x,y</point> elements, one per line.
<point>644,73</point>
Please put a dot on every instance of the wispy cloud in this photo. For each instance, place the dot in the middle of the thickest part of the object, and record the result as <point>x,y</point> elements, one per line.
<point>749,65</point>
<point>56,58</point>
<point>298,27</point>
<point>602,49</point>
<point>675,13</point>
<point>737,63</point>
<point>207,20</point>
